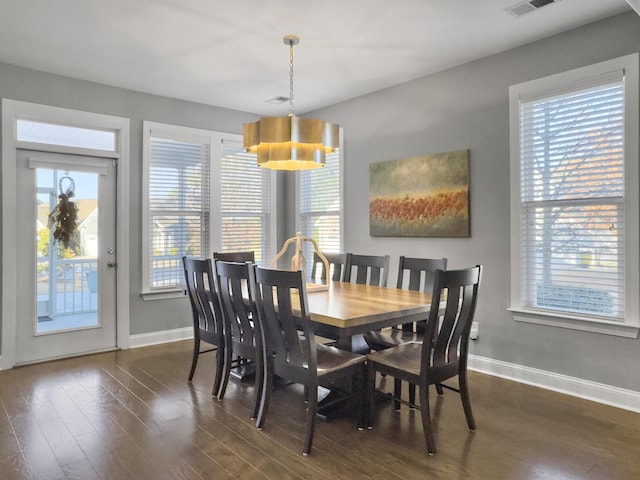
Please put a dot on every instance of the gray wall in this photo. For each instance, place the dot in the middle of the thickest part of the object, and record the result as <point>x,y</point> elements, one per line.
<point>37,87</point>
<point>468,107</point>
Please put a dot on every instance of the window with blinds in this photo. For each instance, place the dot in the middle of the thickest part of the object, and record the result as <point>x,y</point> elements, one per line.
<point>201,194</point>
<point>574,198</point>
<point>245,203</point>
<point>572,169</point>
<point>320,206</point>
<point>178,199</point>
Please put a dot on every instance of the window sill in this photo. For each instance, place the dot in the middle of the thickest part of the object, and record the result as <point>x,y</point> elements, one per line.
<point>163,294</point>
<point>575,323</point>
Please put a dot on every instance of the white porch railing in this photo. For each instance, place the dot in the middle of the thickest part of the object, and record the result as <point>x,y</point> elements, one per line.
<point>73,289</point>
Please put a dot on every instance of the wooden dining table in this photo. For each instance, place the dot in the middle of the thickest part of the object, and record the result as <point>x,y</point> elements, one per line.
<point>346,311</point>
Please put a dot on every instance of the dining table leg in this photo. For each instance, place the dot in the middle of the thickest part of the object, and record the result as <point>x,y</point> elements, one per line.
<point>332,403</point>
<point>353,343</point>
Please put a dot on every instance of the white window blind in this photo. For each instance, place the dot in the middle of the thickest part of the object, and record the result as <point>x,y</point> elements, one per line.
<point>245,203</point>
<point>201,194</point>
<point>572,175</point>
<point>178,185</point>
<point>320,206</point>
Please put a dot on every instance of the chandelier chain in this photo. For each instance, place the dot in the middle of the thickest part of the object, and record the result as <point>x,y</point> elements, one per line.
<point>291,77</point>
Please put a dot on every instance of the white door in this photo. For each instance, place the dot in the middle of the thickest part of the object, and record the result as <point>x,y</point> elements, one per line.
<point>66,302</point>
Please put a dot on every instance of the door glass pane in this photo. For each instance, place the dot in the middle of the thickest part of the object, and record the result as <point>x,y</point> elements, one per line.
<point>66,276</point>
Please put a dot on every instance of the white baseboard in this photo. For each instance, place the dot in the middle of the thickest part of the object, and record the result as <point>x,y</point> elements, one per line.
<point>597,392</point>
<point>147,339</point>
<point>164,336</point>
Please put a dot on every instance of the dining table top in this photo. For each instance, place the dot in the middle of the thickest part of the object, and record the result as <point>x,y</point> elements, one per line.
<point>347,309</point>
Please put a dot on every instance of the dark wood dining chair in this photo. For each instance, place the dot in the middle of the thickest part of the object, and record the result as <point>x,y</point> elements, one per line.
<point>208,323</point>
<point>242,334</point>
<point>443,352</point>
<point>337,264</point>
<point>367,269</point>
<point>239,257</point>
<point>413,274</point>
<point>291,351</point>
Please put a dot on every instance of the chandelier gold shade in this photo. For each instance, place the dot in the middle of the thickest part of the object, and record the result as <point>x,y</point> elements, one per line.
<point>291,142</point>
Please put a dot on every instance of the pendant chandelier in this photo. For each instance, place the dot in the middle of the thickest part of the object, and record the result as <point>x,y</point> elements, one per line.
<point>290,143</point>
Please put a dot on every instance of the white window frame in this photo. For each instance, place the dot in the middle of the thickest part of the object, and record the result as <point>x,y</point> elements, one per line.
<point>547,87</point>
<point>299,193</point>
<point>215,140</point>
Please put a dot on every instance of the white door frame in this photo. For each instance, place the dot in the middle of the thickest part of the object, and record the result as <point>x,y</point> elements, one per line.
<point>13,110</point>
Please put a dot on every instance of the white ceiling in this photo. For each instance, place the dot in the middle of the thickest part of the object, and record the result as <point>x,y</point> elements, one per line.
<point>231,54</point>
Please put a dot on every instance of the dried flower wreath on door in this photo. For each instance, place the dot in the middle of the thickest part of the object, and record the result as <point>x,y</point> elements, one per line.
<point>63,219</point>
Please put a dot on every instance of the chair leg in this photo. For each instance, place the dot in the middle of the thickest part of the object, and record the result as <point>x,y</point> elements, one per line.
<point>194,361</point>
<point>412,394</point>
<point>365,397</point>
<point>266,395</point>
<point>226,371</point>
<point>466,401</point>
<point>360,387</point>
<point>397,393</point>
<point>259,386</point>
<point>312,407</point>
<point>426,419</point>
<point>220,354</point>
<point>439,389</point>
<point>371,391</point>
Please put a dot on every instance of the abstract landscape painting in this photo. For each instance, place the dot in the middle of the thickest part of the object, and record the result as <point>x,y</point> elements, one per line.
<point>426,196</point>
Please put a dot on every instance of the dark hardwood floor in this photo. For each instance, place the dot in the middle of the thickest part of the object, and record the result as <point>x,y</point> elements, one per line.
<point>132,414</point>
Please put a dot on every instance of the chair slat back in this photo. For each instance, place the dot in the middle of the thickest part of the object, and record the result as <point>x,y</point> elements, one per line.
<point>337,264</point>
<point>239,257</point>
<point>368,270</point>
<point>202,293</point>
<point>459,290</point>
<point>237,307</point>
<point>281,300</point>
<point>421,272</point>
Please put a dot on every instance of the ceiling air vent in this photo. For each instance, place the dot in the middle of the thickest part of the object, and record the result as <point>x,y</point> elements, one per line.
<point>523,8</point>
